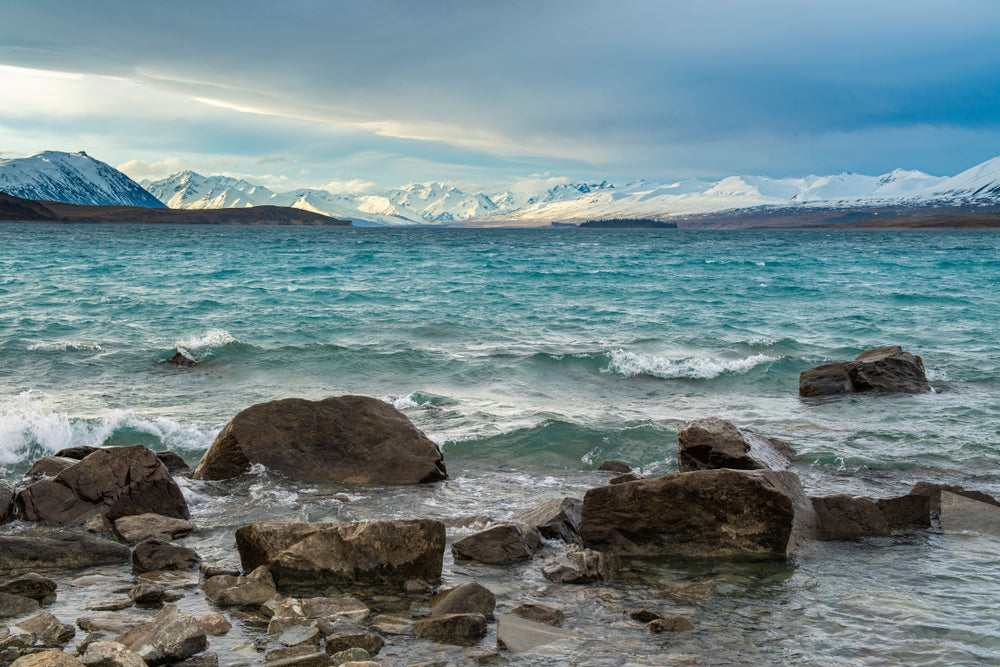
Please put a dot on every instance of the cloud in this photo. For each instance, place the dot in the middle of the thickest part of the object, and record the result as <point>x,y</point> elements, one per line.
<point>139,170</point>
<point>353,186</point>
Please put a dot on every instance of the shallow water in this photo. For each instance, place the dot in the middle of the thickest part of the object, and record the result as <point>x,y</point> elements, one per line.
<point>532,356</point>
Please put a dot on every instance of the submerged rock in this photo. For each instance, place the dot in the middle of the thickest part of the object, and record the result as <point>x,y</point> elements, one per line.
<point>451,626</point>
<point>469,598</point>
<point>576,565</point>
<point>517,635</point>
<point>47,549</point>
<point>709,443</point>
<point>183,357</point>
<point>932,491</point>
<point>501,544</point>
<point>113,482</point>
<point>844,517</point>
<point>556,519</point>
<point>539,613</point>
<point>326,553</point>
<point>343,439</point>
<point>963,514</point>
<point>714,513</point>
<point>885,369</point>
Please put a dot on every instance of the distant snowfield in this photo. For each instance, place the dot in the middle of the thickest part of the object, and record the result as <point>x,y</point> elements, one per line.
<point>77,178</point>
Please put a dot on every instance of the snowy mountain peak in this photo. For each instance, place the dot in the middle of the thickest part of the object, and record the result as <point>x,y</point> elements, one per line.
<point>74,178</point>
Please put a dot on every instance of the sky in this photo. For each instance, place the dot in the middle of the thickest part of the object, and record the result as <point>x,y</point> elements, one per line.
<point>356,95</point>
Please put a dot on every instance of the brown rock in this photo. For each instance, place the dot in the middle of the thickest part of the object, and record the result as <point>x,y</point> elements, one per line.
<point>214,624</point>
<point>469,598</point>
<point>885,369</point>
<point>78,452</point>
<point>706,444</point>
<point>170,637</point>
<point>674,624</point>
<point>48,630</point>
<point>614,466</point>
<point>347,608</point>
<point>174,462</point>
<point>6,502</point>
<point>964,514</point>
<point>906,511</point>
<point>108,623</point>
<point>539,613</point>
<point>183,358</point>
<point>49,466</point>
<point>30,585</point>
<point>576,565</point>
<point>556,519</point>
<point>151,526</point>
<point>715,513</point>
<point>326,553</point>
<point>46,659</point>
<point>110,654</point>
<point>843,517</point>
<point>451,626</point>
<point>370,642</point>
<point>16,605</point>
<point>933,491</point>
<point>228,591</point>
<point>156,555</point>
<point>115,482</point>
<point>344,439</point>
<point>42,549</point>
<point>627,477</point>
<point>500,544</point>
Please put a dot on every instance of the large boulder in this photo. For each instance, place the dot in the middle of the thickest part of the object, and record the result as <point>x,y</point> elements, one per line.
<point>113,482</point>
<point>47,549</point>
<point>709,443</point>
<point>6,502</point>
<point>328,553</point>
<point>501,544</point>
<point>713,513</point>
<point>171,637</point>
<point>557,519</point>
<point>885,369</point>
<point>341,439</point>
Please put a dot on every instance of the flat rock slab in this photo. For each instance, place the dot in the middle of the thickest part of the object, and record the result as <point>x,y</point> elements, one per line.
<point>150,526</point>
<point>336,553</point>
<point>45,549</point>
<point>519,635</point>
<point>962,514</point>
<point>353,439</point>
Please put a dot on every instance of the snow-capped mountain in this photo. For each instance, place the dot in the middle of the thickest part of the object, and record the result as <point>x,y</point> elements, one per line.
<point>73,178</point>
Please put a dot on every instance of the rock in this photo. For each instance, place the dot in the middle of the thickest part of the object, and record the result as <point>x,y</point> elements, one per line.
<point>451,626</point>
<point>885,369</point>
<point>286,652</point>
<point>469,598</point>
<point>345,608</point>
<point>417,586</point>
<point>644,615</point>
<point>539,613</point>
<point>229,591</point>
<point>115,482</point>
<point>313,658</point>
<point>906,511</point>
<point>49,466</point>
<point>115,624</point>
<point>710,443</point>
<point>46,659</point>
<point>556,519</point>
<point>43,549</point>
<point>156,555</point>
<point>328,553</point>
<point>48,629</point>
<point>77,453</point>
<point>30,585</point>
<point>393,624</point>
<point>614,466</point>
<point>963,514</point>
<point>183,357</point>
<point>114,604</point>
<point>214,570</point>
<point>353,654</point>
<point>110,654</point>
<point>843,517</point>
<point>705,513</point>
<point>6,502</point>
<point>933,491</point>
<point>483,656</point>
<point>517,635</point>
<point>147,594</point>
<point>674,624</point>
<point>150,526</point>
<point>370,642</point>
<point>204,660</point>
<point>576,565</point>
<point>294,631</point>
<point>214,624</point>
<point>174,462</point>
<point>342,439</point>
<point>170,637</point>
<point>16,605</point>
<point>627,477</point>
<point>500,544</point>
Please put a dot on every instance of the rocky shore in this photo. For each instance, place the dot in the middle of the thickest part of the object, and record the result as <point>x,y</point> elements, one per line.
<point>106,527</point>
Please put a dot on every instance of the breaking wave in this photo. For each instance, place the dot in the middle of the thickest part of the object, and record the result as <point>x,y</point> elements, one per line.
<point>631,364</point>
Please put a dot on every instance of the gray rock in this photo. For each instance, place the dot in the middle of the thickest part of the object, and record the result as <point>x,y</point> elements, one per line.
<point>147,594</point>
<point>172,636</point>
<point>576,565</point>
<point>349,655</point>
<point>448,627</point>
<point>29,585</point>
<point>344,553</point>
<point>347,608</point>
<point>710,443</point>
<point>16,605</point>
<point>229,591</point>
<point>500,544</point>
<point>6,502</point>
<point>468,598</point>
<point>114,604</point>
<point>294,631</point>
<point>483,656</point>
<point>558,518</point>
<point>963,514</point>
<point>353,439</point>
<point>45,549</point>
<point>110,654</point>
<point>114,482</point>
<point>518,635</point>
<point>114,624</point>
<point>370,642</point>
<point>885,369</point>
<point>539,613</point>
<point>156,555</point>
<point>706,513</point>
<point>48,630</point>
<point>150,526</point>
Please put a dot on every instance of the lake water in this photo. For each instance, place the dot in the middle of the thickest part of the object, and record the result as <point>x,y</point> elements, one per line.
<point>532,356</point>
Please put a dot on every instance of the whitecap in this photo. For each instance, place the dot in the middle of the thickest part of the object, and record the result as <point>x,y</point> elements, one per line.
<point>65,345</point>
<point>631,364</point>
<point>210,339</point>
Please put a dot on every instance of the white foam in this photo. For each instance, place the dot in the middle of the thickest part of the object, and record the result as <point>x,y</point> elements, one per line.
<point>61,346</point>
<point>632,364</point>
<point>210,339</point>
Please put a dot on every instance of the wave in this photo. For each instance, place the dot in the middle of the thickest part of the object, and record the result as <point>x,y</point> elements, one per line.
<point>632,364</point>
<point>213,338</point>
<point>32,426</point>
<point>63,346</point>
<point>416,401</point>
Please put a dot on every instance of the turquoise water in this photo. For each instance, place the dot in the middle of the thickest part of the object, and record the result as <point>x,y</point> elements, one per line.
<point>532,356</point>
